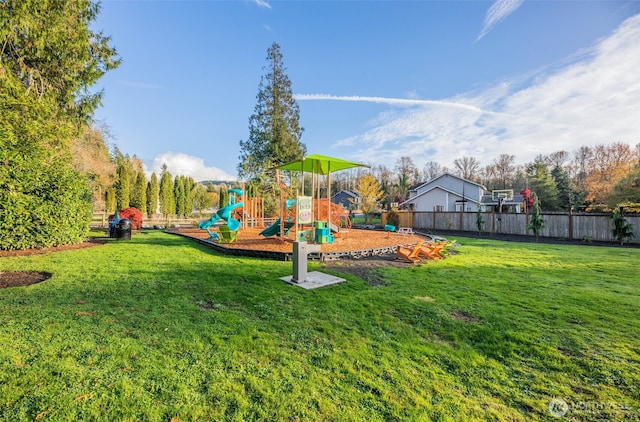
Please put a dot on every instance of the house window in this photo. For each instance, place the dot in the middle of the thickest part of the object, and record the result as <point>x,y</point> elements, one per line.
<point>439,208</point>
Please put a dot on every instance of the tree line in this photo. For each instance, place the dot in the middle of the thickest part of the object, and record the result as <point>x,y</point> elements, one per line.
<point>165,194</point>
<point>594,178</point>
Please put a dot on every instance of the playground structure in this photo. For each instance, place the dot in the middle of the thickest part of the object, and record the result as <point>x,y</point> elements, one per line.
<point>227,233</point>
<point>275,228</point>
<point>317,219</point>
<point>331,220</point>
<point>252,213</point>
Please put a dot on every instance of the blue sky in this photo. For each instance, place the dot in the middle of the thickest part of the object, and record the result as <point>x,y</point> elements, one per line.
<point>375,80</point>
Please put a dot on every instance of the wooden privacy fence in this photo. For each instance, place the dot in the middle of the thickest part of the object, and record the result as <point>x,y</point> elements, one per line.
<point>581,226</point>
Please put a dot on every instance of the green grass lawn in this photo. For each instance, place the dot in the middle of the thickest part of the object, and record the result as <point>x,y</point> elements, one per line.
<point>160,328</point>
<point>363,220</point>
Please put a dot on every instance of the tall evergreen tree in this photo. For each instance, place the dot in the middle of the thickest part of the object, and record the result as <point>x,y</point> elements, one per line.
<point>49,58</point>
<point>274,128</point>
<point>167,199</point>
<point>139,193</point>
<point>152,195</point>
<point>123,182</point>
<point>110,200</point>
<point>180,195</point>
<point>566,195</point>
<point>49,50</point>
<point>190,189</point>
<point>543,185</point>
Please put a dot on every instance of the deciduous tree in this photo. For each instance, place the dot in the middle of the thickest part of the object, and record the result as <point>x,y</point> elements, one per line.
<point>90,156</point>
<point>467,167</point>
<point>407,174</point>
<point>370,194</point>
<point>431,170</point>
<point>504,167</point>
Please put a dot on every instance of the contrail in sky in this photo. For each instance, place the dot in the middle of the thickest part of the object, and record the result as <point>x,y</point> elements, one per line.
<point>391,101</point>
<point>497,12</point>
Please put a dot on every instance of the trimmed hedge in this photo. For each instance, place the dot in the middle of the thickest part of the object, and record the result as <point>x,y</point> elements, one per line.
<point>43,201</point>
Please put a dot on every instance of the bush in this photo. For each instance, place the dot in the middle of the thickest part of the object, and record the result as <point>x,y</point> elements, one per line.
<point>621,230</point>
<point>393,218</point>
<point>43,201</point>
<point>134,215</point>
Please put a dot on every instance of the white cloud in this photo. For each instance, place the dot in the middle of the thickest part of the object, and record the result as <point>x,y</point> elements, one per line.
<point>497,12</point>
<point>263,3</point>
<point>592,98</point>
<point>187,165</point>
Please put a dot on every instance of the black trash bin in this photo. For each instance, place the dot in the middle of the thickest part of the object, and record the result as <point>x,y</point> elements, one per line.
<point>123,229</point>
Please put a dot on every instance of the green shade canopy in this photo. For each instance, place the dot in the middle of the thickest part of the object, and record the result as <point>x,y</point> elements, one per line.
<point>319,164</point>
<point>322,165</point>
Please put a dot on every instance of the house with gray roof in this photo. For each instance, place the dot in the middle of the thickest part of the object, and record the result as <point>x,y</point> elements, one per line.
<point>348,199</point>
<point>451,193</point>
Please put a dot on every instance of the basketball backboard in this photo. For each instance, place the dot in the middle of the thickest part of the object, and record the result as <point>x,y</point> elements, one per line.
<point>502,195</point>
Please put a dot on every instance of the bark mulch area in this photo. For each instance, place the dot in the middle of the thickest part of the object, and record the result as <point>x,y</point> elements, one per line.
<point>354,240</point>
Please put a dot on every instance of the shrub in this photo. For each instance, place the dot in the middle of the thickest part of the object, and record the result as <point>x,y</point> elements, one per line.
<point>393,218</point>
<point>537,223</point>
<point>621,230</point>
<point>43,201</point>
<point>134,215</point>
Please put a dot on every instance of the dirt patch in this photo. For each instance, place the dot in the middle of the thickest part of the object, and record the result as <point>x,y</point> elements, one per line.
<point>21,278</point>
<point>367,268</point>
<point>465,316</point>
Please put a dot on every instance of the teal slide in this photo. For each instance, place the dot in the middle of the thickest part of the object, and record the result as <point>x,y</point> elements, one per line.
<point>274,229</point>
<point>223,213</point>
